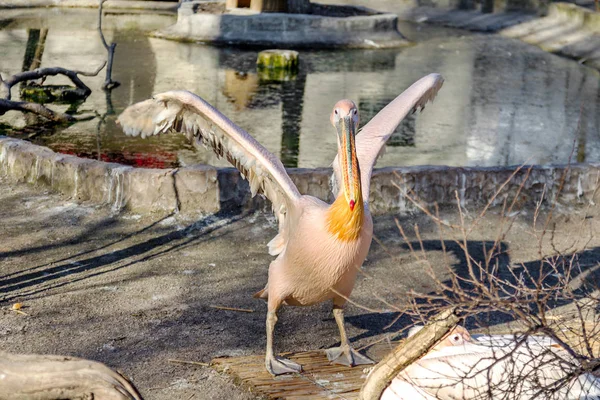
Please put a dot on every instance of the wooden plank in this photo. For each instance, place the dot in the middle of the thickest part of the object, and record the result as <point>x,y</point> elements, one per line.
<point>322,380</point>
<point>319,379</point>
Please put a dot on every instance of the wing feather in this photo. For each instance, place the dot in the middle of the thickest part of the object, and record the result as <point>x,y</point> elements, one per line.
<point>370,141</point>
<point>184,112</point>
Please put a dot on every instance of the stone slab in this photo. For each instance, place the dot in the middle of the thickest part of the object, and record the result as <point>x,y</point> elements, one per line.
<point>190,190</point>
<point>472,20</point>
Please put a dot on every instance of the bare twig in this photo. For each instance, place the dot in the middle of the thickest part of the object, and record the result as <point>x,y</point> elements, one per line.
<point>246,310</point>
<point>202,364</point>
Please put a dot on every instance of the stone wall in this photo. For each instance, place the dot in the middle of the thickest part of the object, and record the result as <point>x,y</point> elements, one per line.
<point>205,189</point>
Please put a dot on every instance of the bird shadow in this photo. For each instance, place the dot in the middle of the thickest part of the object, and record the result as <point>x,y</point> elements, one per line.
<point>40,278</point>
<point>581,268</point>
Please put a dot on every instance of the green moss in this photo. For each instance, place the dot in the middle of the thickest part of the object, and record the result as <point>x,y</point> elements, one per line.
<point>274,59</point>
<point>43,94</point>
<point>277,65</point>
<point>275,75</point>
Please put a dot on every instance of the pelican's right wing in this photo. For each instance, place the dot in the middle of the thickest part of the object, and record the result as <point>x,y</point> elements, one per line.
<point>184,112</point>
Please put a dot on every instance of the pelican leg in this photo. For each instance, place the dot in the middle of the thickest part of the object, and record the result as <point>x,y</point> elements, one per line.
<point>345,354</point>
<point>277,365</point>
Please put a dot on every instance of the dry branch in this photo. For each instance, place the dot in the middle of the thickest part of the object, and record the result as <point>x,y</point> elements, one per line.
<point>246,310</point>
<point>82,90</point>
<point>202,364</point>
<point>108,84</point>
<point>39,73</point>
<point>23,106</point>
<point>44,377</point>
<point>408,352</point>
<point>487,287</point>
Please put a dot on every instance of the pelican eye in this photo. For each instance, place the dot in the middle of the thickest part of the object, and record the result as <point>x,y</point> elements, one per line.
<point>335,111</point>
<point>456,339</point>
<point>354,112</point>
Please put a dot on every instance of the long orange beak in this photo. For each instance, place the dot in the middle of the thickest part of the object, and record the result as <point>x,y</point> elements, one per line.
<point>348,161</point>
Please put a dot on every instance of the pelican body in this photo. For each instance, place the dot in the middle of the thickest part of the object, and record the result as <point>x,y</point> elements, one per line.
<point>320,247</point>
<point>494,367</point>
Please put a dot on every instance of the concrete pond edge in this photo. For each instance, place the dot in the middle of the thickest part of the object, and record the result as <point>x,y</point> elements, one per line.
<point>194,190</point>
<point>368,29</point>
<point>110,4</point>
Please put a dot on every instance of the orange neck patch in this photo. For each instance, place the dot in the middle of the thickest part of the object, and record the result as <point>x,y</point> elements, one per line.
<point>343,222</point>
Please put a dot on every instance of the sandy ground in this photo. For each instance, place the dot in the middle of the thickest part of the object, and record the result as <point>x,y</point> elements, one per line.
<point>136,291</point>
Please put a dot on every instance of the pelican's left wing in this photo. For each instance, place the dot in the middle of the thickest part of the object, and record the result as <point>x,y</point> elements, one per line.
<point>184,112</point>
<point>370,141</point>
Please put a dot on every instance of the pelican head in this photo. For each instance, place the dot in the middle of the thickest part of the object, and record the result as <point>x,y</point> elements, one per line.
<point>458,336</point>
<point>344,118</point>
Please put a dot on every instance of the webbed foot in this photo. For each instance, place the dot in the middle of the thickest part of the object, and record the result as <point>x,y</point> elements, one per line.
<point>278,365</point>
<point>346,355</point>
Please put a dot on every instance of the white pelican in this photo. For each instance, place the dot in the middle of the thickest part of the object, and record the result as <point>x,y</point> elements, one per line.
<point>319,247</point>
<point>503,367</point>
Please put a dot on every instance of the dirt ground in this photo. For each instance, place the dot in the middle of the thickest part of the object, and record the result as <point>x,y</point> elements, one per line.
<point>136,291</point>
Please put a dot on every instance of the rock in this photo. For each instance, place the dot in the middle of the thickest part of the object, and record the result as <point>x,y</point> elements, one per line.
<point>277,65</point>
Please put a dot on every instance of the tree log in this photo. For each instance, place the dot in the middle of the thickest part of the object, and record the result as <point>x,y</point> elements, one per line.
<point>23,106</point>
<point>45,377</point>
<point>408,352</point>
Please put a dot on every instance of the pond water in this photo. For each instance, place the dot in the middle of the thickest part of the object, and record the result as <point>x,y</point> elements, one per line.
<point>504,102</point>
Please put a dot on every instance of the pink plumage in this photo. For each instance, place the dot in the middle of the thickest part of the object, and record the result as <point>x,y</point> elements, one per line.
<point>320,247</point>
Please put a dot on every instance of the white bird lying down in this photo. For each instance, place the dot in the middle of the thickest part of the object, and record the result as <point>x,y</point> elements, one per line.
<point>493,367</point>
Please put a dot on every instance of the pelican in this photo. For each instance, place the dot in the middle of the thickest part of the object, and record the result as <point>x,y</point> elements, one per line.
<point>319,247</point>
<point>506,367</point>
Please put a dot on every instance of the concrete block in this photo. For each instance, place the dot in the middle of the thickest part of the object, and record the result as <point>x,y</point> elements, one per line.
<point>197,189</point>
<point>145,190</point>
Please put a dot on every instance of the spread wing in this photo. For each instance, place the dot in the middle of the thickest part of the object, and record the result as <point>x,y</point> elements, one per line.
<point>370,141</point>
<point>184,112</point>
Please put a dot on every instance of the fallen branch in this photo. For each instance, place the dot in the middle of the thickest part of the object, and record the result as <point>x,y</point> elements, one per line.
<point>23,106</point>
<point>6,104</point>
<point>408,352</point>
<point>44,377</point>
<point>39,73</point>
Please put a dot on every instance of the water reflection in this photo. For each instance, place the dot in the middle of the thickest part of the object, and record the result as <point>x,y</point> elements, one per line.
<point>503,103</point>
